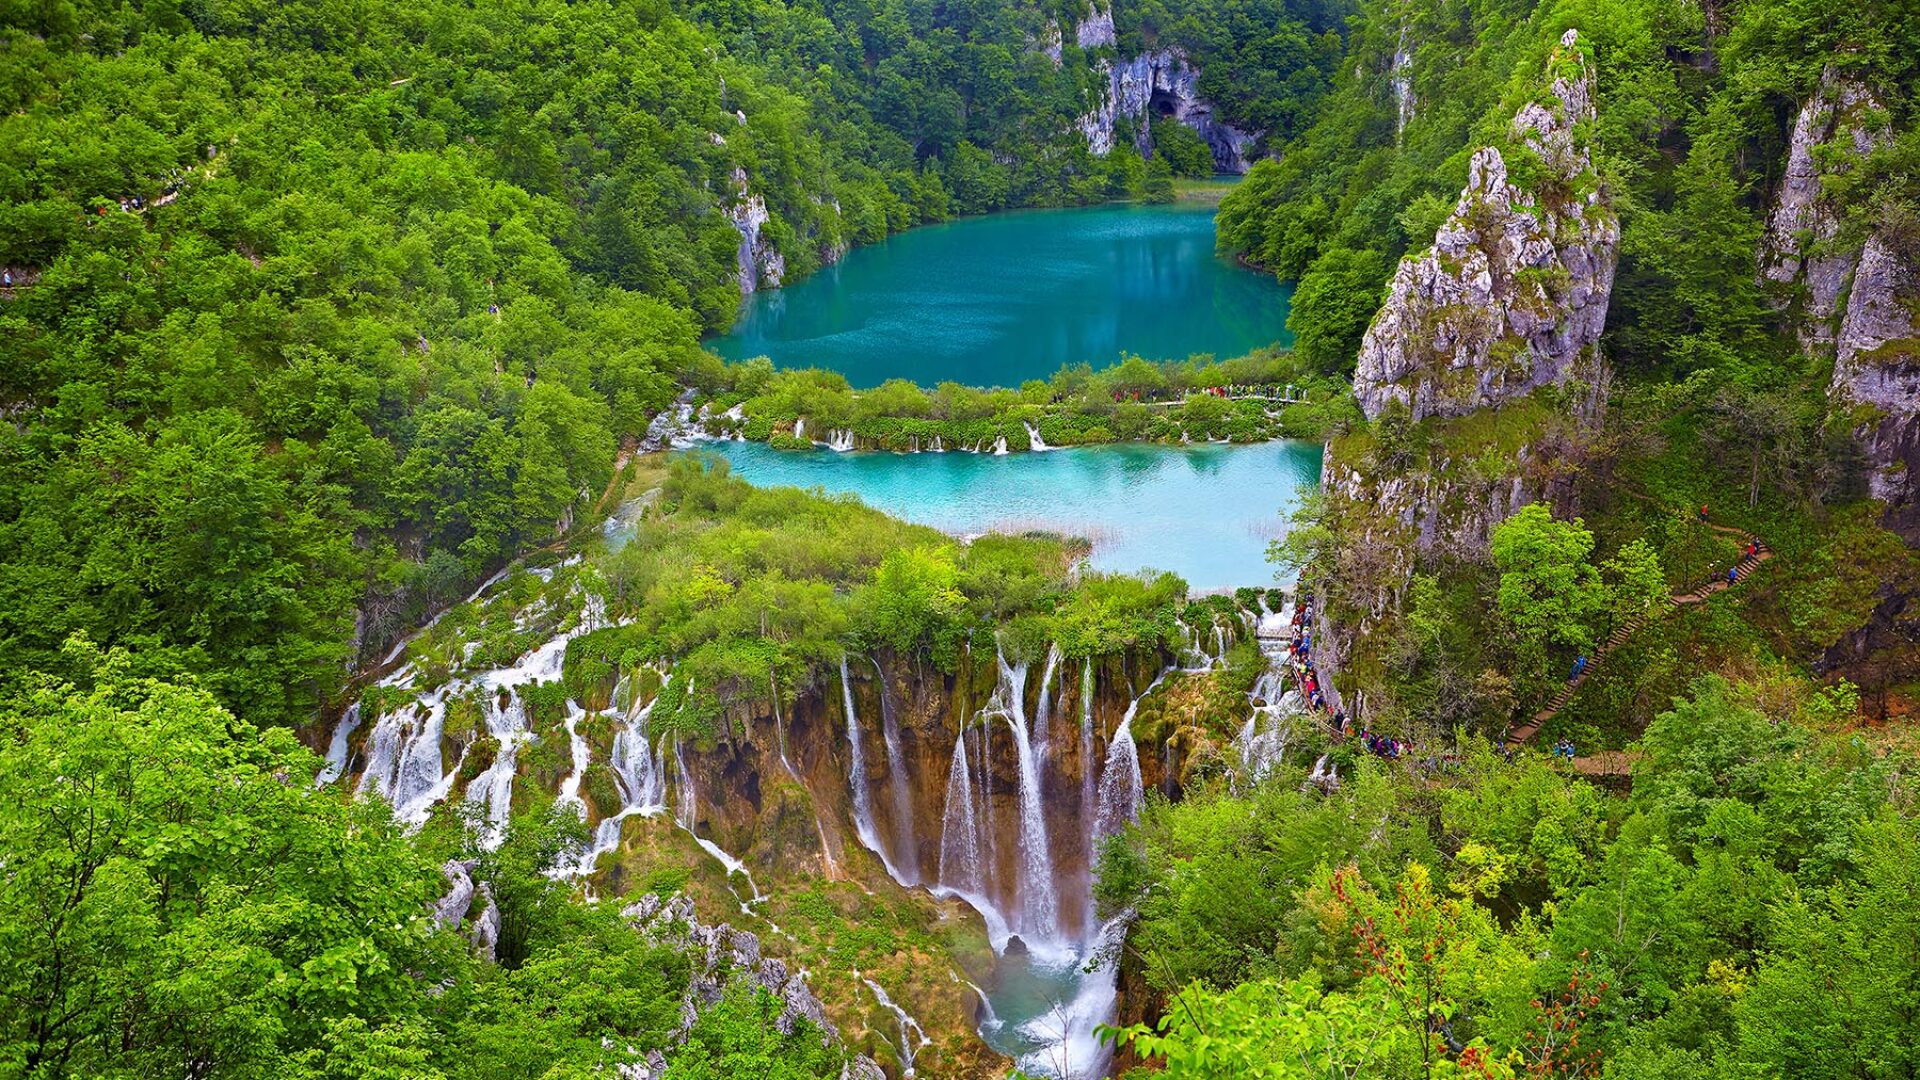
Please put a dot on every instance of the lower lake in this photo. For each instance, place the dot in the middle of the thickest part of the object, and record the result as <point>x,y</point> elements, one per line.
<point>1205,512</point>
<point>999,299</point>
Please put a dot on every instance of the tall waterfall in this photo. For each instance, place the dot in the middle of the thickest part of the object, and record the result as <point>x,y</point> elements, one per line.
<point>1039,903</point>
<point>686,814</point>
<point>857,779</point>
<point>1043,711</point>
<point>960,860</point>
<point>906,845</point>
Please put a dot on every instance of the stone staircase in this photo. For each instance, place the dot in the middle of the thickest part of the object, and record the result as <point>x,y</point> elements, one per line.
<point>1745,567</point>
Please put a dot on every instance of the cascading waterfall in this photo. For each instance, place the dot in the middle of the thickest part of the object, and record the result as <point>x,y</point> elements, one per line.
<point>1043,710</point>
<point>637,772</point>
<point>913,1038</point>
<point>906,837</point>
<point>1034,441</point>
<point>1039,906</point>
<point>863,825</point>
<point>1121,789</point>
<point>960,868</point>
<point>493,789</point>
<point>1000,446</point>
<point>338,747</point>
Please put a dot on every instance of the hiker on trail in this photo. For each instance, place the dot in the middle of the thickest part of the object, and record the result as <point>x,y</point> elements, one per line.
<point>1733,574</point>
<point>1753,548</point>
<point>1579,666</point>
<point>1703,512</point>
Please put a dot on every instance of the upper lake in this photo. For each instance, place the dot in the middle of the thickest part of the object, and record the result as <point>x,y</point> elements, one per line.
<point>1000,299</point>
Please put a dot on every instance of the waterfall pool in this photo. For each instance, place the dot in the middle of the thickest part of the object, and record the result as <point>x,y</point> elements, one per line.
<point>999,299</point>
<point>1206,512</point>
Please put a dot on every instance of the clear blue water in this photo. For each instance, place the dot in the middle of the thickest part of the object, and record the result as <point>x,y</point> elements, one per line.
<point>1205,512</point>
<point>997,300</point>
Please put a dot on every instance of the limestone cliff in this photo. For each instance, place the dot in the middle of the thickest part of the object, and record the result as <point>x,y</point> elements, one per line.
<point>1481,372</point>
<point>1803,258</point>
<point>1876,377</point>
<point>1513,294</point>
<point>1159,82</point>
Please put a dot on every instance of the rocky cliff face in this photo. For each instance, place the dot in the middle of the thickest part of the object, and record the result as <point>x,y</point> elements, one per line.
<point>760,263</point>
<point>1162,82</point>
<point>1511,298</point>
<point>1802,257</point>
<point>1876,377</point>
<point>1513,294</point>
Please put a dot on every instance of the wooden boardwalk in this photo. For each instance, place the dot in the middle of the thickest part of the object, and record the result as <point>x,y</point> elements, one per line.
<point>1746,566</point>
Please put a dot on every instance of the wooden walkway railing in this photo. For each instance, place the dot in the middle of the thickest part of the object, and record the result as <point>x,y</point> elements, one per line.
<point>1745,567</point>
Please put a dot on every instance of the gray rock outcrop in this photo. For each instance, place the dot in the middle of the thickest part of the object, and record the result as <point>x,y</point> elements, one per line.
<point>1876,378</point>
<point>720,957</point>
<point>1165,83</point>
<point>760,263</point>
<point>1513,294</point>
<point>1802,257</point>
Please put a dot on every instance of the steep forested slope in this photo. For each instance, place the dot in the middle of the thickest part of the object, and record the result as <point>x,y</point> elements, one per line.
<point>315,312</point>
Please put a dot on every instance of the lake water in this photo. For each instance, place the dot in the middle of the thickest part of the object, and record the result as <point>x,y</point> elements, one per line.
<point>1205,512</point>
<point>999,299</point>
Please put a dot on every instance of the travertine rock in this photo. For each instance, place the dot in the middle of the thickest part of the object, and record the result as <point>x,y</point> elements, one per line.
<point>1876,378</point>
<point>1800,256</point>
<point>1513,294</point>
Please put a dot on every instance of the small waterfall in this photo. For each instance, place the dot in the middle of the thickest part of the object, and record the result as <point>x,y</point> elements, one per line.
<point>493,789</point>
<point>1039,905</point>
<point>1034,441</point>
<point>581,755</point>
<point>780,729</point>
<point>1043,711</point>
<point>960,868</point>
<point>1000,446</point>
<point>686,815</point>
<point>1121,789</point>
<point>905,835</point>
<point>910,1029</point>
<point>938,447</point>
<point>637,771</point>
<point>857,779</point>
<point>1323,775</point>
<point>800,427</point>
<point>338,747</point>
<point>839,440</point>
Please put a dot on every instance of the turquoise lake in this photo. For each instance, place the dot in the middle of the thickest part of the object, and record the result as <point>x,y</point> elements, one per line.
<point>999,299</point>
<point>1205,512</point>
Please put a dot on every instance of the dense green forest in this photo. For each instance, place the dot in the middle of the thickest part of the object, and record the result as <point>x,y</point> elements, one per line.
<point>317,314</point>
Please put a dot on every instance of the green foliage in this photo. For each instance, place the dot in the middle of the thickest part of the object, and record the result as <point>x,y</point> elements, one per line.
<point>1549,593</point>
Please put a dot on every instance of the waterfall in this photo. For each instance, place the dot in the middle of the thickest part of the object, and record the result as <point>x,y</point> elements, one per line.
<point>338,748</point>
<point>938,447</point>
<point>637,771</point>
<point>1088,789</point>
<point>580,754</point>
<point>780,735</point>
<point>1000,446</point>
<point>906,837</point>
<point>1043,711</point>
<point>960,828</point>
<point>800,427</point>
<point>909,1027</point>
<point>686,815</point>
<point>493,788</point>
<point>1039,906</point>
<point>1034,441</point>
<point>857,779</point>
<point>840,440</point>
<point>1120,785</point>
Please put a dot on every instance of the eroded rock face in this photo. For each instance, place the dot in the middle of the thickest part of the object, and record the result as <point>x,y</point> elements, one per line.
<point>1162,82</point>
<point>1876,378</point>
<point>721,957</point>
<point>1513,294</point>
<point>760,263</point>
<point>1800,257</point>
